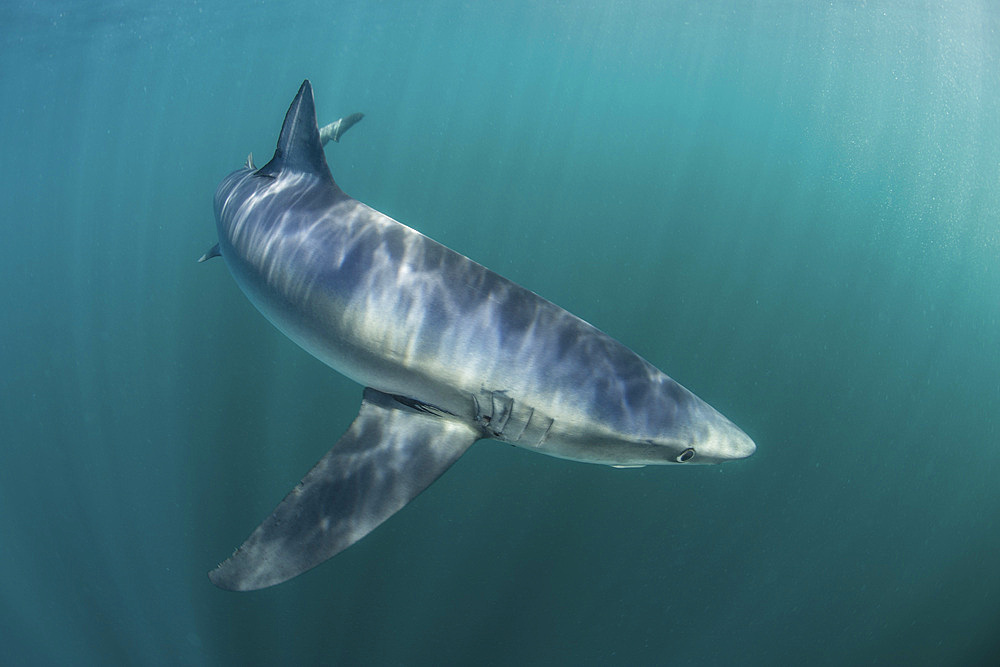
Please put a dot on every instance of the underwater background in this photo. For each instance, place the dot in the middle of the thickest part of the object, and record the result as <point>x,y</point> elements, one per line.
<point>792,208</point>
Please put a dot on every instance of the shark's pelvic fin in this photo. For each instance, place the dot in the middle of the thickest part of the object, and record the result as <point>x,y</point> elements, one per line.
<point>210,253</point>
<point>335,130</point>
<point>390,454</point>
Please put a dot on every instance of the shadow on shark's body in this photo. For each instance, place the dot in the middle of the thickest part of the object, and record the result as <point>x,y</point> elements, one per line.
<point>449,353</point>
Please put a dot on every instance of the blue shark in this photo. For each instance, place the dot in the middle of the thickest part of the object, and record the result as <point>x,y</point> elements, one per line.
<point>448,353</point>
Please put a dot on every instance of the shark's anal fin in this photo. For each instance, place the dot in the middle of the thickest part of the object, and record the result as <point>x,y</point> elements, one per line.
<point>210,253</point>
<point>390,454</point>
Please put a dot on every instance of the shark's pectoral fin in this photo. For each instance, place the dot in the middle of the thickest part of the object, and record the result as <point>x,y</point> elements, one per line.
<point>390,454</point>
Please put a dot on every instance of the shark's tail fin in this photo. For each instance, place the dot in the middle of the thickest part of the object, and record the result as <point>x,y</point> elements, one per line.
<point>335,130</point>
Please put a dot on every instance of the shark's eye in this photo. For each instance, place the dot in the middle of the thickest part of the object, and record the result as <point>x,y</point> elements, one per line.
<point>685,456</point>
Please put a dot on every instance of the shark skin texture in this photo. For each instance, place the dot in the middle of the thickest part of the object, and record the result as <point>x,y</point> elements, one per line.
<point>448,352</point>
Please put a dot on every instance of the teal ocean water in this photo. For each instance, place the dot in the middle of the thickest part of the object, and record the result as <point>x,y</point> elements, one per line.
<point>793,208</point>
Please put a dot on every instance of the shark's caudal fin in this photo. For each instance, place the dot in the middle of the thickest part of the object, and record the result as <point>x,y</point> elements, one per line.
<point>299,148</point>
<point>335,130</point>
<point>390,454</point>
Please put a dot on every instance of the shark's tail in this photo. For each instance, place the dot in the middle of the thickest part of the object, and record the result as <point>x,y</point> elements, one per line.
<point>336,129</point>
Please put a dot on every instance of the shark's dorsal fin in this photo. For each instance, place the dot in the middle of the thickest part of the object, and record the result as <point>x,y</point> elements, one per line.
<point>299,148</point>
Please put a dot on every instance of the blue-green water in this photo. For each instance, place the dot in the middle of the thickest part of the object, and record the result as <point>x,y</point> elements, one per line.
<point>793,208</point>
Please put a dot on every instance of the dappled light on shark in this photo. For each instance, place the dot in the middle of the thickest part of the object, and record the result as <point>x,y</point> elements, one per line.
<point>449,353</point>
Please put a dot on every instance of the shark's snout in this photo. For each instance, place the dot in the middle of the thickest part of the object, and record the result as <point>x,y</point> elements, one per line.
<point>724,442</point>
<point>741,444</point>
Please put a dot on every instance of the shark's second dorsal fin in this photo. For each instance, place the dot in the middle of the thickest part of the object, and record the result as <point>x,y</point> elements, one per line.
<point>299,148</point>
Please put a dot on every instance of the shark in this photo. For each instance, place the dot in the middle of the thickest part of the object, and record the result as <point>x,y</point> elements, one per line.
<point>448,353</point>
